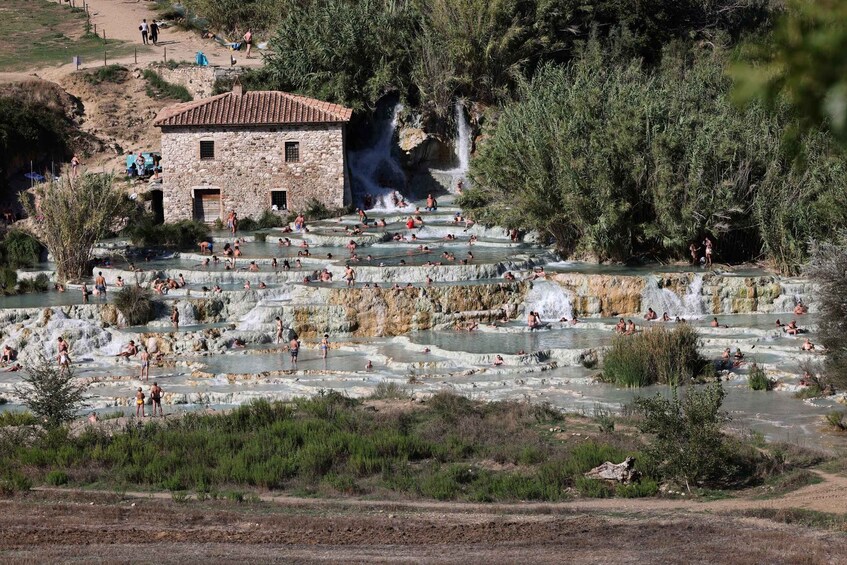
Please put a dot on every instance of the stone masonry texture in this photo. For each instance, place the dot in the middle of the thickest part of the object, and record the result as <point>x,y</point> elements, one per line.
<point>249,163</point>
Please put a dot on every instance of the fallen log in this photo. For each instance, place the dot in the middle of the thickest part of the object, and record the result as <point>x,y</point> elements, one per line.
<point>621,472</point>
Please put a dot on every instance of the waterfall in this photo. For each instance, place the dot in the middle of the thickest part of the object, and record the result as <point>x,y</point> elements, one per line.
<point>663,300</point>
<point>378,176</point>
<point>694,307</point>
<point>550,300</point>
<point>462,143</point>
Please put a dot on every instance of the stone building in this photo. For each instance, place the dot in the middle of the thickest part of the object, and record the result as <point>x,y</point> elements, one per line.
<point>250,152</point>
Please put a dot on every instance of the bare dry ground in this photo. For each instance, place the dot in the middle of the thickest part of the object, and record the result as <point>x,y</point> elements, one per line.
<point>71,526</point>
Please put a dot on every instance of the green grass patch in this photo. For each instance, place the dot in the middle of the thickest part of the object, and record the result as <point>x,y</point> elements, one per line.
<point>17,419</point>
<point>36,34</point>
<point>116,74</point>
<point>332,445</point>
<point>157,87</point>
<point>788,482</point>
<point>655,355</point>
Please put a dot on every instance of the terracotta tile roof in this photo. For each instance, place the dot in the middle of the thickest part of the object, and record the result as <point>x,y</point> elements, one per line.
<point>252,109</point>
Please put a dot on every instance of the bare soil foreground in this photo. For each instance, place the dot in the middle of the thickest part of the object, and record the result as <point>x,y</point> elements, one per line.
<point>50,526</point>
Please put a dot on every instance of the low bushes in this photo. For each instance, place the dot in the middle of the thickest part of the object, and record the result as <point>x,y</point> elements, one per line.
<point>136,304</point>
<point>20,249</point>
<point>184,234</point>
<point>758,379</point>
<point>654,356</point>
<point>330,443</point>
<point>157,87</point>
<point>112,73</point>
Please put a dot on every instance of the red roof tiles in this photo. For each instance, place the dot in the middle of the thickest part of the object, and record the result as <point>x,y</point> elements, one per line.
<point>253,108</point>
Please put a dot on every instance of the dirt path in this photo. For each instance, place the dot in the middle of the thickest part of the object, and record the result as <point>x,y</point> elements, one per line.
<point>828,496</point>
<point>74,526</point>
<point>121,18</point>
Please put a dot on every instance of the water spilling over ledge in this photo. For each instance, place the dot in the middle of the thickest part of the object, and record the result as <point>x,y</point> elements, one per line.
<point>428,312</point>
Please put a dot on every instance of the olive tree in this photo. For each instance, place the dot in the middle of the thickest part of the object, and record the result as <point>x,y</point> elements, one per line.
<point>72,213</point>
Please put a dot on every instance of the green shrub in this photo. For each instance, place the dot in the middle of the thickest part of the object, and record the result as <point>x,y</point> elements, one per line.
<point>389,390</point>
<point>269,220</point>
<point>593,488</point>
<point>157,87</point>
<point>41,283</point>
<point>248,224</point>
<point>640,489</point>
<point>184,234</point>
<point>50,392</point>
<point>112,73</point>
<point>136,304</point>
<point>687,444</point>
<point>17,419</point>
<point>14,482</point>
<point>56,478</point>
<point>835,419</point>
<point>758,379</point>
<point>8,280</point>
<point>655,355</point>
<point>20,249</point>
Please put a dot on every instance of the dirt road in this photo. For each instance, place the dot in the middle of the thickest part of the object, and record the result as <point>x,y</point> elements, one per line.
<point>59,525</point>
<point>85,527</point>
<point>121,18</point>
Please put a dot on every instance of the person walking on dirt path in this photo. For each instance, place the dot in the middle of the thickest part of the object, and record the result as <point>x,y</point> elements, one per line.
<point>139,403</point>
<point>154,32</point>
<point>145,30</point>
<point>156,397</point>
<point>248,40</point>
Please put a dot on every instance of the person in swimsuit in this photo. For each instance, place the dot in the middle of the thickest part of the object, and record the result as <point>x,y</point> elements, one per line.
<point>350,276</point>
<point>650,315</point>
<point>707,243</point>
<point>156,397</point>
<point>64,358</point>
<point>278,329</point>
<point>9,355</point>
<point>248,40</point>
<point>324,345</point>
<point>139,404</point>
<point>175,317</point>
<point>145,364</point>
<point>100,284</point>
<point>294,349</point>
<point>498,360</point>
<point>800,309</point>
<point>808,345</point>
<point>85,293</point>
<point>129,351</point>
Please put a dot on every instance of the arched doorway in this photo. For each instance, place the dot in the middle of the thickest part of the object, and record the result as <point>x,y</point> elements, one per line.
<point>157,205</point>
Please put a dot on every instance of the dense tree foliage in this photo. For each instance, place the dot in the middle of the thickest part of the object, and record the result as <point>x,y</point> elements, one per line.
<point>346,52</point>
<point>802,61</point>
<point>28,131</point>
<point>73,213</point>
<point>828,269</point>
<point>615,160</point>
<point>431,51</point>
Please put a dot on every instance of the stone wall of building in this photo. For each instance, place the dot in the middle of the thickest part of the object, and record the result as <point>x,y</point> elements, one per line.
<point>200,81</point>
<point>249,163</point>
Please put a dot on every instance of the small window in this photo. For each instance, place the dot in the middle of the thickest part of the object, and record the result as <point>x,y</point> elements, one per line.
<point>207,150</point>
<point>279,198</point>
<point>292,151</point>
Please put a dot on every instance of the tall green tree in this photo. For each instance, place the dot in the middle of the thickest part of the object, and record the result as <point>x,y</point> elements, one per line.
<point>347,52</point>
<point>72,214</point>
<point>616,160</point>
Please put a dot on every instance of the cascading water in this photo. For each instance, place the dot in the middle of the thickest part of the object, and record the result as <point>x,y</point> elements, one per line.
<point>462,149</point>
<point>663,300</point>
<point>462,144</point>
<point>377,175</point>
<point>550,300</point>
